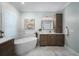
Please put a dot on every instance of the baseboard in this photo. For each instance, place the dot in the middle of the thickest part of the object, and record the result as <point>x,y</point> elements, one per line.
<point>70,49</point>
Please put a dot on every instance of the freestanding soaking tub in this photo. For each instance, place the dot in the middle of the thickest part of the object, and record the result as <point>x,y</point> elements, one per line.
<point>24,45</point>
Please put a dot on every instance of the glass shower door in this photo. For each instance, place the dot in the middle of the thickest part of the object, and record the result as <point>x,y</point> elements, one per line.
<point>9,24</point>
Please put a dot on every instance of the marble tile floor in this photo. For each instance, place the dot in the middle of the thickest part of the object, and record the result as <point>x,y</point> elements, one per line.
<point>50,51</point>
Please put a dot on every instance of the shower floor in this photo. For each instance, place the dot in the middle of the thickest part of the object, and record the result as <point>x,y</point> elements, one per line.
<point>50,51</point>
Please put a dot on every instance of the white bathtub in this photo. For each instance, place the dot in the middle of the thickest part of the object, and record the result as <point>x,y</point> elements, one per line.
<point>24,45</point>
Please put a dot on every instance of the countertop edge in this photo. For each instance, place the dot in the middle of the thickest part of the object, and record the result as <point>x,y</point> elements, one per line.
<point>3,40</point>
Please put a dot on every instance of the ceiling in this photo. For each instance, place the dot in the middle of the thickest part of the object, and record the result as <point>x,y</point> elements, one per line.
<point>39,6</point>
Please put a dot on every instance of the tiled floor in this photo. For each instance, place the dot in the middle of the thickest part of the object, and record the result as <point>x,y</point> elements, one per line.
<point>50,51</point>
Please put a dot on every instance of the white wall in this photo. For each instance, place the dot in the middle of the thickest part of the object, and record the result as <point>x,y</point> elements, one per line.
<point>71,19</point>
<point>0,17</point>
<point>37,16</point>
<point>11,9</point>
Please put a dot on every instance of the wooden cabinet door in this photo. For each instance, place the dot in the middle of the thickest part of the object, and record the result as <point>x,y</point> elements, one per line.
<point>60,39</point>
<point>58,23</point>
<point>52,40</point>
<point>7,48</point>
<point>43,40</point>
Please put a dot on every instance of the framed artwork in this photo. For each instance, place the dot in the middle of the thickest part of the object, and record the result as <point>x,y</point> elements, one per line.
<point>29,24</point>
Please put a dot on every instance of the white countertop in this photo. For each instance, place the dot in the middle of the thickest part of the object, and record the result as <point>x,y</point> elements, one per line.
<point>2,40</point>
<point>49,33</point>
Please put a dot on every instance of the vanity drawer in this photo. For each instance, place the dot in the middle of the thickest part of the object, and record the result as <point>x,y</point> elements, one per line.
<point>51,36</point>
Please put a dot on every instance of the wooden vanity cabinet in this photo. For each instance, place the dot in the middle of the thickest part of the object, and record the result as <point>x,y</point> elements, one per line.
<point>60,39</point>
<point>51,39</point>
<point>7,48</point>
<point>58,27</point>
<point>43,40</point>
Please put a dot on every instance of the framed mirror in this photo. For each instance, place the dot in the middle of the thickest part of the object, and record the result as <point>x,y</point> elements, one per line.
<point>47,24</point>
